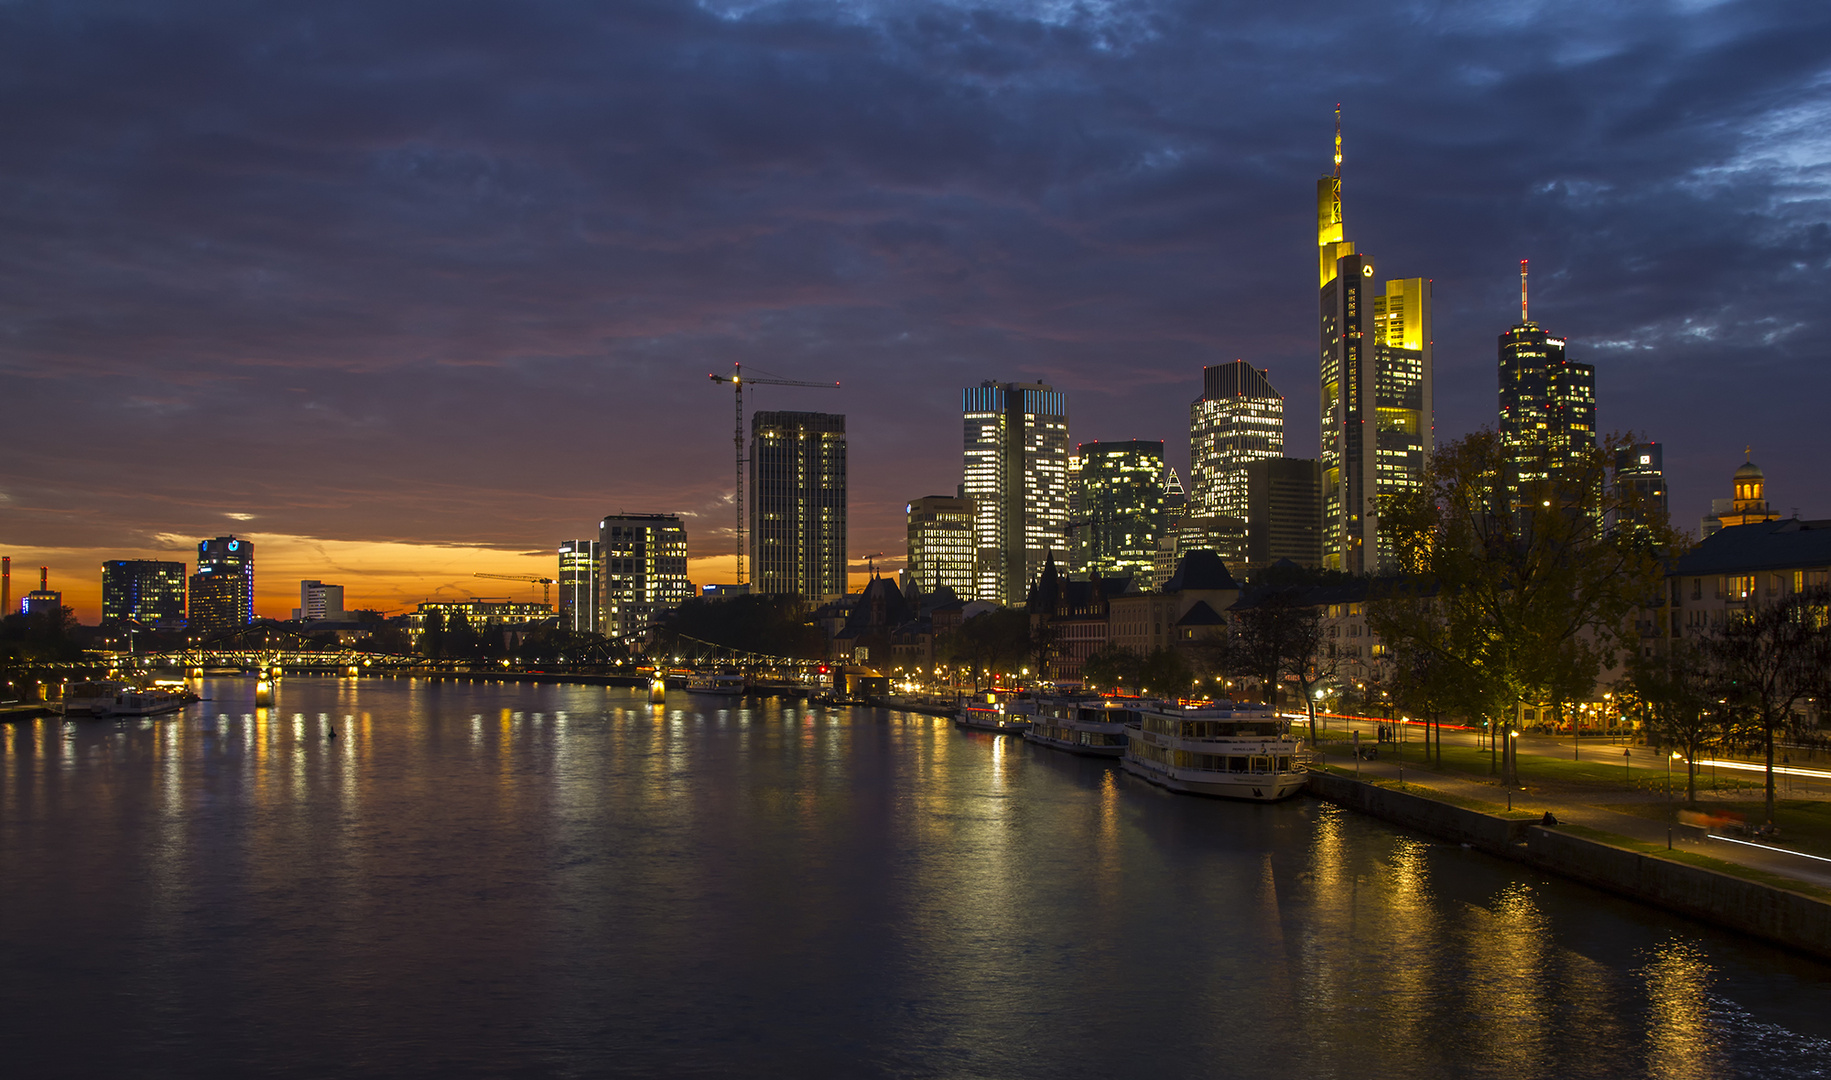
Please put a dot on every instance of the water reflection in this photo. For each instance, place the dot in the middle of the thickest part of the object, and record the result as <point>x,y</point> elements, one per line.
<point>471,878</point>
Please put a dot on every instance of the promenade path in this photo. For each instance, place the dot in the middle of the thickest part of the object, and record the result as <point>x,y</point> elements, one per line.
<point>1591,804</point>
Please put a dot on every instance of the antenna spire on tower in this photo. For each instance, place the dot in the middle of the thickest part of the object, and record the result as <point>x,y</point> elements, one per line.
<point>1522,292</point>
<point>1338,140</point>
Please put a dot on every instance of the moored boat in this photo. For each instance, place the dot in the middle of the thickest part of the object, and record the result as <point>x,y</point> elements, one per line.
<point>108,698</point>
<point>718,683</point>
<point>1218,748</point>
<point>1091,726</point>
<point>1003,716</point>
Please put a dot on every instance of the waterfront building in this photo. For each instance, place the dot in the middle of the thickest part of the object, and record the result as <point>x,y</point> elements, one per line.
<point>578,586</point>
<point>1017,476</point>
<point>1640,482</point>
<point>941,547</point>
<point>1748,506</point>
<point>1284,512</point>
<point>1187,611</point>
<point>319,602</point>
<point>1071,615</point>
<point>477,615</point>
<point>1121,507</point>
<point>222,589</point>
<point>1547,403</point>
<point>798,504</point>
<point>145,591</point>
<point>1745,566</point>
<point>1377,419</point>
<point>1238,419</point>
<point>642,570</point>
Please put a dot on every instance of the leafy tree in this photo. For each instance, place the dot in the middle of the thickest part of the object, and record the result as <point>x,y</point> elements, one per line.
<point>1165,671</point>
<point>1768,662</point>
<point>1677,689</point>
<point>1520,585</point>
<point>993,642</point>
<point>1279,632</point>
<point>1111,667</point>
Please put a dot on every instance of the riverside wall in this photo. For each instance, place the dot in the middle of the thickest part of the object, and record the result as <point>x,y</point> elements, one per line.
<point>1778,915</point>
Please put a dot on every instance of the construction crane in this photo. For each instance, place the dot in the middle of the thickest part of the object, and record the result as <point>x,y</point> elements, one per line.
<point>545,583</point>
<point>738,379</point>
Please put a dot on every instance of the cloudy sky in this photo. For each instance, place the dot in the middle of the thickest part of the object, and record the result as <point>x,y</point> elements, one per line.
<point>407,291</point>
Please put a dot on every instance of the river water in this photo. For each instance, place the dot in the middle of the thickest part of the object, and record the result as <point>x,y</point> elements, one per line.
<point>506,880</point>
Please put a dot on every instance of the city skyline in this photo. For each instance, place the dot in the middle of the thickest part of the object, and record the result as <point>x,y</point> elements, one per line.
<point>359,384</point>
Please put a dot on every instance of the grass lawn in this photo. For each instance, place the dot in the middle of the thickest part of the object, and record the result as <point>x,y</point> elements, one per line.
<point>1805,824</point>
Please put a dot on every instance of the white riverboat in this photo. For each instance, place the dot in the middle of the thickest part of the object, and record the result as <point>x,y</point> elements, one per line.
<point>119,699</point>
<point>716,683</point>
<point>1090,726</point>
<point>1218,748</point>
<point>1000,714</point>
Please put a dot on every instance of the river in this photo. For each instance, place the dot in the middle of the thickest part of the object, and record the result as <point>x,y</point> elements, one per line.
<point>517,880</point>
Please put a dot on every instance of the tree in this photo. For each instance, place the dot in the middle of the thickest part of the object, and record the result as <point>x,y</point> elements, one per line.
<point>995,641</point>
<point>1277,632</point>
<point>1165,671</point>
<point>1768,661</point>
<point>1112,667</point>
<point>1518,584</point>
<point>1677,690</point>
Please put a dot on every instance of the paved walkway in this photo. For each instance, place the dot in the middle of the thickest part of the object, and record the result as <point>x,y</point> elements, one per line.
<point>1574,805</point>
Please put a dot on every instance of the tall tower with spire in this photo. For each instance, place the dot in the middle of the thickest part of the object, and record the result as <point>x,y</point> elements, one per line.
<point>1547,401</point>
<point>1377,419</point>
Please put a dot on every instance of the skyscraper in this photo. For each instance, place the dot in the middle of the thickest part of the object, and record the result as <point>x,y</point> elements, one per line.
<point>1377,420</point>
<point>222,589</point>
<point>1641,482</point>
<point>578,586</point>
<point>643,570</point>
<point>1017,477</point>
<point>1122,506</point>
<point>145,591</point>
<point>1547,401</point>
<point>941,545</point>
<point>1238,419</point>
<point>798,504</point>
<point>1284,512</point>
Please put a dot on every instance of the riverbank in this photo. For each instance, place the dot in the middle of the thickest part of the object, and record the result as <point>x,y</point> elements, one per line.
<point>1750,900</point>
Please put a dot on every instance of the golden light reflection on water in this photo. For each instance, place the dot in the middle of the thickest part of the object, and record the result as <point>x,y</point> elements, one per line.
<point>1682,1042</point>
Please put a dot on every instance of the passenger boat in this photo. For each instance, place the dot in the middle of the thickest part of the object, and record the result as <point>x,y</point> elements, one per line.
<point>1217,748</point>
<point>1091,726</point>
<point>717,683</point>
<point>119,699</point>
<point>1001,715</point>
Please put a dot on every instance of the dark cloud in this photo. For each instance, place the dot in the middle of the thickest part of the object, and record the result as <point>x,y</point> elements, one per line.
<point>455,272</point>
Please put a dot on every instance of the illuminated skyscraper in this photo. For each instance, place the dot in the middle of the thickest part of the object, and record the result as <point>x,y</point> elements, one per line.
<point>941,547</point>
<point>1122,506</point>
<point>222,589</point>
<point>1238,419</point>
<point>642,570</point>
<point>578,586</point>
<point>1547,401</point>
<point>145,591</point>
<point>1017,477</point>
<point>1377,421</point>
<point>798,504</point>
<point>1640,480</point>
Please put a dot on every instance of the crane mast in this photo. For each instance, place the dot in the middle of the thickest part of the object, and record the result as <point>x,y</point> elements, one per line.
<point>737,379</point>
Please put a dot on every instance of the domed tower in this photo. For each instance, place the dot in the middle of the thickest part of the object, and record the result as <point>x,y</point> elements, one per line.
<point>1749,504</point>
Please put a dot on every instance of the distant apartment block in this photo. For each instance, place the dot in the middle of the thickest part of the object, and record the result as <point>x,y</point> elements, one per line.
<point>144,591</point>
<point>642,570</point>
<point>578,586</point>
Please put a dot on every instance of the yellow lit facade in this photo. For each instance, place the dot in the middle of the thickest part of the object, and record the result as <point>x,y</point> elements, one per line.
<point>1378,423</point>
